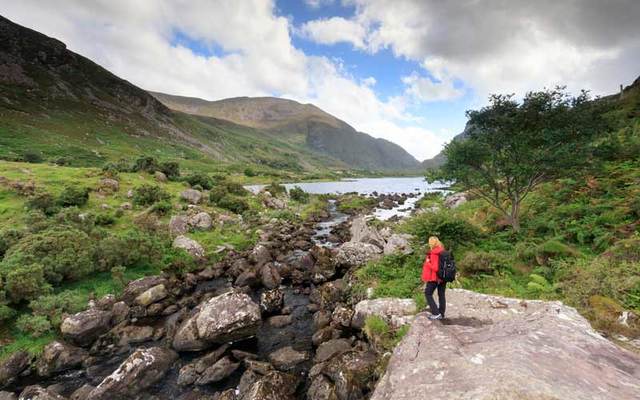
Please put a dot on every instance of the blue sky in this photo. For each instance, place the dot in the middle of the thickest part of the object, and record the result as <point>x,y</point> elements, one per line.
<point>402,70</point>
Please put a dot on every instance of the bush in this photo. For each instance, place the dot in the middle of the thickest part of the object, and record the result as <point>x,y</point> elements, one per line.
<point>53,306</point>
<point>178,261</point>
<point>44,202</point>
<point>236,189</point>
<point>275,188</point>
<point>130,249</point>
<point>145,164</point>
<point>449,228</point>
<point>117,275</point>
<point>627,250</point>
<point>482,262</point>
<point>299,195</point>
<point>105,219</point>
<point>199,179</point>
<point>547,251</point>
<point>6,313</point>
<point>233,204</point>
<point>146,195</point>
<point>32,156</point>
<point>8,238</point>
<point>71,216</point>
<point>73,196</point>
<point>36,221</point>
<point>171,169</point>
<point>250,172</point>
<point>113,168</point>
<point>162,208</point>
<point>63,253</point>
<point>26,282</point>
<point>34,325</point>
<point>218,193</point>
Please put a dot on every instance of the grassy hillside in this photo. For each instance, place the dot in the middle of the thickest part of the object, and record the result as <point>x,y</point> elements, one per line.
<point>58,106</point>
<point>579,241</point>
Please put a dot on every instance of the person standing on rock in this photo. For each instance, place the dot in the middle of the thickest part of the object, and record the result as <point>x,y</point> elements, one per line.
<point>430,277</point>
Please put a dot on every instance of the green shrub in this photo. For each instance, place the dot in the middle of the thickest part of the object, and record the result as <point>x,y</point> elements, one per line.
<point>8,238</point>
<point>482,262</point>
<point>217,193</point>
<point>546,251</point>
<point>6,313</point>
<point>64,253</point>
<point>72,216</point>
<point>44,202</point>
<point>117,275</point>
<point>299,195</point>
<point>53,306</point>
<point>113,168</point>
<point>132,248</point>
<point>26,282</point>
<point>32,156</point>
<point>250,172</point>
<point>352,204</point>
<point>162,208</point>
<point>171,169</point>
<point>105,219</point>
<point>538,284</point>
<point>178,261</point>
<point>73,196</point>
<point>235,188</point>
<point>34,325</point>
<point>449,228</point>
<point>146,195</point>
<point>276,188</point>
<point>627,250</point>
<point>36,221</point>
<point>233,204</point>
<point>145,164</point>
<point>201,179</point>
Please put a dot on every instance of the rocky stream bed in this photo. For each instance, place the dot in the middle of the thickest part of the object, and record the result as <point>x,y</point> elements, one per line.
<point>273,322</point>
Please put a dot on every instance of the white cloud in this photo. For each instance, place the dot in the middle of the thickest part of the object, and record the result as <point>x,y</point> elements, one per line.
<point>514,46</point>
<point>425,89</point>
<point>334,30</point>
<point>134,41</point>
<point>318,3</point>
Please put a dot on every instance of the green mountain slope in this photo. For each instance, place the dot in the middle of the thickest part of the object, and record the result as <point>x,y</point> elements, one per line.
<point>60,106</point>
<point>302,124</point>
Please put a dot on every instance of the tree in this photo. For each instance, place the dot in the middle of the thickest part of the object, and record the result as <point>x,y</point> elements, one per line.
<point>512,147</point>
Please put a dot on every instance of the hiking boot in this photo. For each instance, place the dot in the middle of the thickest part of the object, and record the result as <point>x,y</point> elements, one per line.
<point>435,317</point>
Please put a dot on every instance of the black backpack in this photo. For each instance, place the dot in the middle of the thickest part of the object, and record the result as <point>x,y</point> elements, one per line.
<point>446,267</point>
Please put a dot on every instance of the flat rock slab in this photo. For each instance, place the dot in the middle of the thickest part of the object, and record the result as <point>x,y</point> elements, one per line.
<point>493,347</point>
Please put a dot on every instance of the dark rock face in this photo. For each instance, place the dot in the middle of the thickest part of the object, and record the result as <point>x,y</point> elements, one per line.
<point>141,370</point>
<point>39,393</point>
<point>13,366</point>
<point>59,356</point>
<point>495,347</point>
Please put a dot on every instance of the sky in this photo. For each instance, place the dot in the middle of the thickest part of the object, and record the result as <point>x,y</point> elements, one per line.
<point>403,70</point>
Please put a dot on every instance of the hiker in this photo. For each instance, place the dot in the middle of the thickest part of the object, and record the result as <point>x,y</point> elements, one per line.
<point>430,276</point>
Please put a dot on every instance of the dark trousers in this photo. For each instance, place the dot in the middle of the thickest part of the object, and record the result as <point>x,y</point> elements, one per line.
<point>428,293</point>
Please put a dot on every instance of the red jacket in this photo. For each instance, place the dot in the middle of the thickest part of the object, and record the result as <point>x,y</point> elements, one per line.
<point>430,266</point>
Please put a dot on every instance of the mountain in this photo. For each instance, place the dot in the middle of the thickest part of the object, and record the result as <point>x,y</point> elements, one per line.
<point>65,108</point>
<point>439,159</point>
<point>301,123</point>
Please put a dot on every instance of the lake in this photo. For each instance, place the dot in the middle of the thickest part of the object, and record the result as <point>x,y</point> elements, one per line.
<point>366,186</point>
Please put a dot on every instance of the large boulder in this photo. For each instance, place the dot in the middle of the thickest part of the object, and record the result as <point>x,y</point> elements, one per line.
<point>192,196</point>
<point>189,245</point>
<point>178,225</point>
<point>396,312</point>
<point>58,356</point>
<point>352,373</point>
<point>141,285</point>
<point>12,366</point>
<point>287,358</point>
<point>361,232</point>
<point>86,326</point>
<point>455,200</point>
<point>201,221</point>
<point>109,185</point>
<point>492,347</point>
<point>152,295</point>
<point>272,386</point>
<point>39,393</point>
<point>228,317</point>
<point>139,371</point>
<point>353,254</point>
<point>398,243</point>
